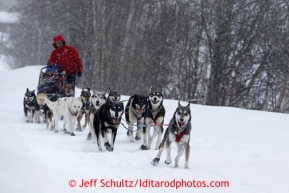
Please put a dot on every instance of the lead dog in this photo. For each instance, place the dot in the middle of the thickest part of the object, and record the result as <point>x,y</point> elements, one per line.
<point>67,106</point>
<point>97,100</point>
<point>107,120</point>
<point>178,131</point>
<point>155,117</point>
<point>135,112</point>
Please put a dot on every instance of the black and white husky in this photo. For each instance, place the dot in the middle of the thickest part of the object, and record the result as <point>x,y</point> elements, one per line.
<point>155,117</point>
<point>107,120</point>
<point>97,100</point>
<point>29,104</point>
<point>135,113</point>
<point>178,131</point>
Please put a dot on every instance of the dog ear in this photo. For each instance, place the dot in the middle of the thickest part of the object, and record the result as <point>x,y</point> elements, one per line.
<point>88,89</point>
<point>188,106</point>
<point>179,104</point>
<point>132,97</point>
<point>108,90</point>
<point>151,88</point>
<point>27,90</point>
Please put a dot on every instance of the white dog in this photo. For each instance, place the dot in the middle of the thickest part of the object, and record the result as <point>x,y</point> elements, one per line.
<point>67,106</point>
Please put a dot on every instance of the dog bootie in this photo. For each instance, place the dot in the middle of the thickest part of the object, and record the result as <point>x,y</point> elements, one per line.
<point>108,147</point>
<point>144,147</point>
<point>88,136</point>
<point>155,161</point>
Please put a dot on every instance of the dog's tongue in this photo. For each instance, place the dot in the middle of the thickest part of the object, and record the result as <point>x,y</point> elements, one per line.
<point>140,110</point>
<point>116,121</point>
<point>181,124</point>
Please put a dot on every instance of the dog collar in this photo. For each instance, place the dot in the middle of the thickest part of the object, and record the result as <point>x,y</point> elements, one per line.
<point>72,112</point>
<point>179,135</point>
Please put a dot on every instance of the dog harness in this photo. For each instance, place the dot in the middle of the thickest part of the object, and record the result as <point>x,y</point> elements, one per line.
<point>179,135</point>
<point>157,115</point>
<point>30,103</point>
<point>59,101</point>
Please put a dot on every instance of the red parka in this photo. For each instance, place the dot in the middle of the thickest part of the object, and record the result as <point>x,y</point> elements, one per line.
<point>66,57</point>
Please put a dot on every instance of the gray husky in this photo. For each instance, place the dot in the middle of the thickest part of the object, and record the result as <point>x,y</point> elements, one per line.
<point>155,117</point>
<point>178,131</point>
<point>97,99</point>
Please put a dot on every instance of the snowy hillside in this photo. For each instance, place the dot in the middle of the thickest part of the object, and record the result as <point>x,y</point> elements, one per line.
<point>249,150</point>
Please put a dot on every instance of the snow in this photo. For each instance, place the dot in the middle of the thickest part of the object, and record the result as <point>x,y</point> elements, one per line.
<point>3,62</point>
<point>249,149</point>
<point>6,17</point>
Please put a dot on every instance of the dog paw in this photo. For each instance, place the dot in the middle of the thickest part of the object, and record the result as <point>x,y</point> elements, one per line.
<point>137,138</point>
<point>106,144</point>
<point>56,131</point>
<point>155,161</point>
<point>78,129</point>
<point>166,162</point>
<point>27,121</point>
<point>176,165</point>
<point>109,149</point>
<point>143,147</point>
<point>88,136</point>
<point>72,134</point>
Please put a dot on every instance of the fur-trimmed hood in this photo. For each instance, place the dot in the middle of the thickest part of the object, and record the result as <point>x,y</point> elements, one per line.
<point>58,39</point>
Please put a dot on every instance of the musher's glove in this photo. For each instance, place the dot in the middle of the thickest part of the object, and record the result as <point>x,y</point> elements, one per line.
<point>79,74</point>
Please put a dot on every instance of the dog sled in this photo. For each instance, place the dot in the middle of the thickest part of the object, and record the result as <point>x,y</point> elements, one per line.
<point>51,82</point>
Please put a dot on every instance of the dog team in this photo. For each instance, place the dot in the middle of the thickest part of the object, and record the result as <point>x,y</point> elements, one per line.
<point>104,115</point>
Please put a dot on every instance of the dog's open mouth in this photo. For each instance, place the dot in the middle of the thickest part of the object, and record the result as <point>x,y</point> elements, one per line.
<point>115,120</point>
<point>140,110</point>
<point>181,124</point>
<point>155,102</point>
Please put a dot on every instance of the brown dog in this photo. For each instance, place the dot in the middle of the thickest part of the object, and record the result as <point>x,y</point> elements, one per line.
<point>85,98</point>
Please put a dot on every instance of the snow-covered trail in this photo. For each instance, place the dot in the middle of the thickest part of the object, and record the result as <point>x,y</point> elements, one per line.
<point>248,149</point>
